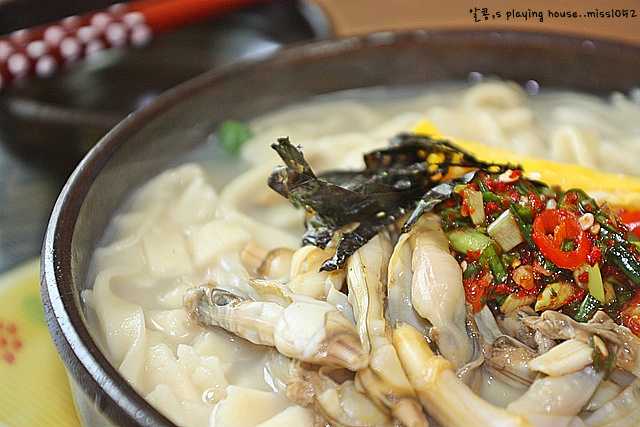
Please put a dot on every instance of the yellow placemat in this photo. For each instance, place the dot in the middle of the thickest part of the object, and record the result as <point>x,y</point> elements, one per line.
<point>34,390</point>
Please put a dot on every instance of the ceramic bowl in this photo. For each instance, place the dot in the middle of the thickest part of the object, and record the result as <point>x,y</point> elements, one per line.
<point>182,120</point>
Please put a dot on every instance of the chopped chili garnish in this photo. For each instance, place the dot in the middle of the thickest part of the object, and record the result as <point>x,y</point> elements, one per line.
<point>491,207</point>
<point>571,198</point>
<point>464,210</point>
<point>476,291</point>
<point>594,255</point>
<point>473,255</point>
<point>534,202</point>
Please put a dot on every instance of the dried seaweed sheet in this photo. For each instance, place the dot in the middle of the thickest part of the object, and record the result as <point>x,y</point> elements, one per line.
<point>415,173</point>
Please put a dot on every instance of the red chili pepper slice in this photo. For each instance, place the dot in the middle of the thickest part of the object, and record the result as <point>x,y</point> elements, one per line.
<point>631,219</point>
<point>551,228</point>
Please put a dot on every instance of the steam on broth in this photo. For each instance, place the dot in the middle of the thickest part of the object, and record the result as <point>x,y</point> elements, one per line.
<point>238,243</point>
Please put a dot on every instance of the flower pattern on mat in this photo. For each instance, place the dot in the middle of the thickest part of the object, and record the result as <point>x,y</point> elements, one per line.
<point>10,342</point>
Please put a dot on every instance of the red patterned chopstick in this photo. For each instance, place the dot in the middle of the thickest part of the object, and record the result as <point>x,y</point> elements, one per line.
<point>43,50</point>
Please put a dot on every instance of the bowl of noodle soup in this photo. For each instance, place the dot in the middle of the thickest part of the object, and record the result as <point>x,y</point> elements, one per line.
<point>156,208</point>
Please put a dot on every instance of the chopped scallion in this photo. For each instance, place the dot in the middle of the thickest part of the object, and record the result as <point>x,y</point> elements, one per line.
<point>626,261</point>
<point>232,134</point>
<point>595,285</point>
<point>467,239</point>
<point>524,227</point>
<point>587,308</point>
<point>491,258</point>
<point>505,231</point>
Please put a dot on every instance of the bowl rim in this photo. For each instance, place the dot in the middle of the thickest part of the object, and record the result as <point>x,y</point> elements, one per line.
<point>85,363</point>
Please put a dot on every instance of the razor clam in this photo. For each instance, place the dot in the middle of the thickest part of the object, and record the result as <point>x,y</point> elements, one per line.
<point>557,325</point>
<point>622,411</point>
<point>470,373</point>
<point>330,392</point>
<point>272,264</point>
<point>508,359</point>
<point>447,399</point>
<point>606,392</point>
<point>565,358</point>
<point>384,379</point>
<point>306,276</point>
<point>487,325</point>
<point>513,325</point>
<point>300,269</point>
<point>345,406</point>
<point>437,292</point>
<point>309,330</point>
<point>280,292</point>
<point>341,403</point>
<point>399,306</point>
<point>302,277</point>
<point>553,401</point>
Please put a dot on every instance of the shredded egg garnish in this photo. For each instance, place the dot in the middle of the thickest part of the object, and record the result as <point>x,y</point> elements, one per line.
<point>618,190</point>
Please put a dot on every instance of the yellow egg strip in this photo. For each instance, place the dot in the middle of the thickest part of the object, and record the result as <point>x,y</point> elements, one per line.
<point>618,190</point>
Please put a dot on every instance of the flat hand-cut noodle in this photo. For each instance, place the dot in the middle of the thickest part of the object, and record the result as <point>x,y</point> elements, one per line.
<point>166,252</point>
<point>124,320</point>
<point>234,412</point>
<point>574,145</point>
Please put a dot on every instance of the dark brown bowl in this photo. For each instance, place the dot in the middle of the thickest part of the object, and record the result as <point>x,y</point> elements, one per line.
<point>181,120</point>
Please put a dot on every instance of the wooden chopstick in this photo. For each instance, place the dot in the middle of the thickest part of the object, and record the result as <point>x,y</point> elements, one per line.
<point>168,14</point>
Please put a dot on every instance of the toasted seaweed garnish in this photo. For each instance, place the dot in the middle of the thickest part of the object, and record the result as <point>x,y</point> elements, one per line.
<point>435,195</point>
<point>415,173</point>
